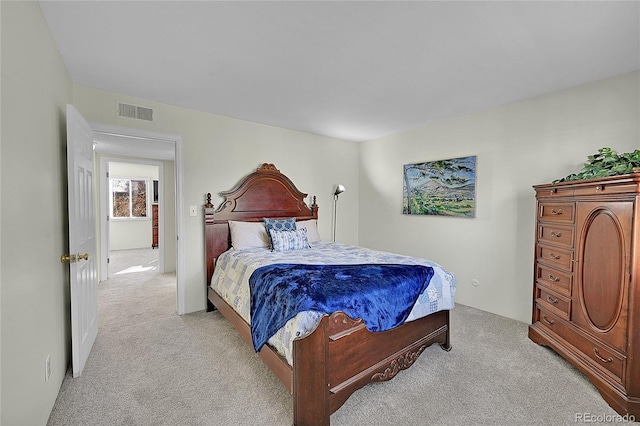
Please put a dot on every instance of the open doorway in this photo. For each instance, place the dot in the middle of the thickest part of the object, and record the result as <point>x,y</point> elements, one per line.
<point>136,211</point>
<point>133,209</point>
<point>137,148</point>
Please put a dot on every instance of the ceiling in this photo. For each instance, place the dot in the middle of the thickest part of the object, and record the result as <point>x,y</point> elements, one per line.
<point>346,69</point>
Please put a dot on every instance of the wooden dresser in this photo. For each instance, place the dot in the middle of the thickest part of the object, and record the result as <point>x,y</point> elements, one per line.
<point>587,282</point>
<point>154,226</point>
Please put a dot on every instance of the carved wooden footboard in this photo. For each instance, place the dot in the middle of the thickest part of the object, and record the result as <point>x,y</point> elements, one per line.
<point>340,355</point>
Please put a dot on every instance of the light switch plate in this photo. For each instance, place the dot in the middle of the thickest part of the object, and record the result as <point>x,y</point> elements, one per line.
<point>193,211</point>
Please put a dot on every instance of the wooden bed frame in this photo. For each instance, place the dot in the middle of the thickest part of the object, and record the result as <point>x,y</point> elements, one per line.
<point>341,355</point>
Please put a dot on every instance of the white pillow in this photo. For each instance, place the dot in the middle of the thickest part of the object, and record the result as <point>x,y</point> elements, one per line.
<point>312,229</point>
<point>248,234</point>
<point>289,240</point>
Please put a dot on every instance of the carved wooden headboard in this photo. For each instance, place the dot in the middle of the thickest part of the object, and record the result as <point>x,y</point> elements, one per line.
<point>263,193</point>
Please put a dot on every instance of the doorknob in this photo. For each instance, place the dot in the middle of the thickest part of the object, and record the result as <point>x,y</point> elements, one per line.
<point>84,256</point>
<point>68,258</point>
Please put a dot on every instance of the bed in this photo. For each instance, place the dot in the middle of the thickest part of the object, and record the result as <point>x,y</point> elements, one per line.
<point>339,355</point>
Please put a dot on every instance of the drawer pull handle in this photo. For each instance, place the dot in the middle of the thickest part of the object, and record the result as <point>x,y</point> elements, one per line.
<point>554,279</point>
<point>554,256</point>
<point>550,322</point>
<point>599,188</point>
<point>595,351</point>
<point>553,191</point>
<point>556,212</point>
<point>551,299</point>
<point>556,234</point>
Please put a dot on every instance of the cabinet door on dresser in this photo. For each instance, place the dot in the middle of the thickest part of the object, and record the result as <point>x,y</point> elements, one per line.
<point>600,294</point>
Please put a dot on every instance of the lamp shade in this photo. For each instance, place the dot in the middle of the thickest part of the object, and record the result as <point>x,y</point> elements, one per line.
<point>339,190</point>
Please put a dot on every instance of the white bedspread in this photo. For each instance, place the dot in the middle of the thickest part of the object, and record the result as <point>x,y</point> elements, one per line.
<point>234,267</point>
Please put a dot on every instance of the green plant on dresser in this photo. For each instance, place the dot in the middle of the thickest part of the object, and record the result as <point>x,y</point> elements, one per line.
<point>606,162</point>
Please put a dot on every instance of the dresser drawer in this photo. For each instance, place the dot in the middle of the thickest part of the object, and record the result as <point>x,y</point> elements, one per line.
<point>595,353</point>
<point>554,256</point>
<point>554,302</point>
<point>605,189</point>
<point>556,234</point>
<point>554,279</point>
<point>556,212</point>
<point>553,192</point>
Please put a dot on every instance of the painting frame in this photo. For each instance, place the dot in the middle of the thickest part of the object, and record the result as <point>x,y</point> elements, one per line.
<point>440,188</point>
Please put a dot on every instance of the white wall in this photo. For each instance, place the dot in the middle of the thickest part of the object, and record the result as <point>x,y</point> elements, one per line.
<point>218,151</point>
<point>35,297</point>
<point>125,234</point>
<point>168,216</point>
<point>518,145</point>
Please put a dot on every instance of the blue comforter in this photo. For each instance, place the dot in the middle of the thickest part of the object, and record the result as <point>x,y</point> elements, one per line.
<point>381,294</point>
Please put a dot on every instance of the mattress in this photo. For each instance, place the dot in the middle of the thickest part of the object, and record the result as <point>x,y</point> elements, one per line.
<point>234,267</point>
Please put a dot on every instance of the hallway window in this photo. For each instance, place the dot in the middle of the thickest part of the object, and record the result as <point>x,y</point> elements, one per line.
<point>128,197</point>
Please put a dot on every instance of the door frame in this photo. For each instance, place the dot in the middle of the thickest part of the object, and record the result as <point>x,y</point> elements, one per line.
<point>178,176</point>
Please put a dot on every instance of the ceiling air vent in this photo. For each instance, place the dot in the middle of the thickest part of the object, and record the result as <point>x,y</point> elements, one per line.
<point>134,111</point>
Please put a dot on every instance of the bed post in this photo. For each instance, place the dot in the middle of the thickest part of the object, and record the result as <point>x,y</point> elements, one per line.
<point>216,241</point>
<point>447,341</point>
<point>314,208</point>
<point>311,404</point>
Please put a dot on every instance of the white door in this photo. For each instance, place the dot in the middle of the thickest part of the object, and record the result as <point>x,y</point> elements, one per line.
<point>82,239</point>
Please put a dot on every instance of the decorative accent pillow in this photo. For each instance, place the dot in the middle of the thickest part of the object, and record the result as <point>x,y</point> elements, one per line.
<point>289,240</point>
<point>288,224</point>
<point>248,234</point>
<point>312,229</point>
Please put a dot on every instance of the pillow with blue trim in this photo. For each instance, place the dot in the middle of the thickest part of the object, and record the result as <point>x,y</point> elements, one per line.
<point>288,224</point>
<point>289,240</point>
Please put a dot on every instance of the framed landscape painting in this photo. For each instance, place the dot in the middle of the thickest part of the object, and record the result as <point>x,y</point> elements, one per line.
<point>442,188</point>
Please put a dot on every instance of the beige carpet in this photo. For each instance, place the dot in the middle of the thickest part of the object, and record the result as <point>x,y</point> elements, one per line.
<point>152,367</point>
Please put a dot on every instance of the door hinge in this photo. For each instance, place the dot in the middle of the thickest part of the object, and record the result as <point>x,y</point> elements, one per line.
<point>108,260</point>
